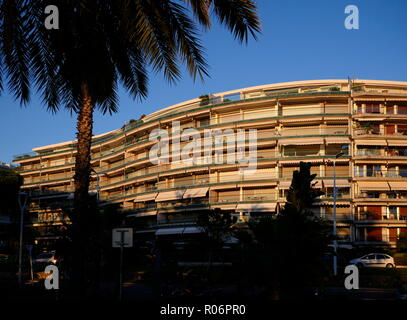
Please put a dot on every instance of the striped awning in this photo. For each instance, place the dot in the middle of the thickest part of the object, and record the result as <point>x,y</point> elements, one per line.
<point>337,140</point>
<point>284,184</point>
<point>170,195</point>
<point>339,183</point>
<point>195,193</point>
<point>146,197</point>
<point>256,207</point>
<point>373,186</point>
<point>301,141</point>
<point>365,142</point>
<point>402,143</point>
<point>369,99</point>
<point>371,119</point>
<point>398,185</point>
<point>287,184</point>
<point>301,119</point>
<point>186,230</point>
<point>142,214</point>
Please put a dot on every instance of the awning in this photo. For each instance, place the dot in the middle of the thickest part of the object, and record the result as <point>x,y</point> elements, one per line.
<point>402,143</point>
<point>381,142</point>
<point>398,185</point>
<point>339,183</point>
<point>142,214</point>
<point>371,119</point>
<point>170,195</point>
<point>146,197</point>
<point>284,184</point>
<point>300,141</point>
<point>369,99</point>
<point>225,206</point>
<point>373,186</point>
<point>268,141</point>
<point>186,230</point>
<point>310,117</point>
<point>195,193</point>
<point>287,184</point>
<point>318,184</point>
<point>337,140</point>
<point>256,207</point>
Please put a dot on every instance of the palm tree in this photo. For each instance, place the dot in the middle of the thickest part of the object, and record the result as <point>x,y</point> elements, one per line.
<point>100,45</point>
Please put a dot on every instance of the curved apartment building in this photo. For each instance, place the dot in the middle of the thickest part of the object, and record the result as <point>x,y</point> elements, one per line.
<point>360,125</point>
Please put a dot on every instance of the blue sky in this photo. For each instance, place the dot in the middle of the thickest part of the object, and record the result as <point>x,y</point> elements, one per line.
<point>301,40</point>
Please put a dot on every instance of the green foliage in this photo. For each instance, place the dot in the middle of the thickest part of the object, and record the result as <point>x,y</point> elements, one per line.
<point>301,194</point>
<point>10,183</point>
<point>334,89</point>
<point>204,100</point>
<point>217,225</point>
<point>402,242</point>
<point>290,246</point>
<point>130,37</point>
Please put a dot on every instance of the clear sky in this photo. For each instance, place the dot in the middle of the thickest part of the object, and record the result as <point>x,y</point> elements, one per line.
<point>301,40</point>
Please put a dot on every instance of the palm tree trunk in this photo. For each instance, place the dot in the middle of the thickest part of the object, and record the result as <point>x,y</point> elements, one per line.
<point>82,165</point>
<point>80,216</point>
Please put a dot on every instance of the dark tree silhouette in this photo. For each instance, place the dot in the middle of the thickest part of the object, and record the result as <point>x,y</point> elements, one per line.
<point>102,44</point>
<point>288,248</point>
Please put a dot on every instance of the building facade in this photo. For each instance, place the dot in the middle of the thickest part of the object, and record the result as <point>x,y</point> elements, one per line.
<point>360,125</point>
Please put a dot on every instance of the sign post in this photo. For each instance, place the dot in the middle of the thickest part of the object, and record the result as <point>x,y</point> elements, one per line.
<point>30,248</point>
<point>122,238</point>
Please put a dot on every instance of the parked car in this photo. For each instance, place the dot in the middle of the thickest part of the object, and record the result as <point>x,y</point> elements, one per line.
<point>374,260</point>
<point>45,258</point>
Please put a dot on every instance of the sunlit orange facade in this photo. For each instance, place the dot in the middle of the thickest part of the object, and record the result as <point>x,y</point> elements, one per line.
<point>311,121</point>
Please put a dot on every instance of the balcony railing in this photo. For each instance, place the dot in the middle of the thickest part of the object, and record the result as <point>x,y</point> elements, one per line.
<point>377,217</point>
<point>372,132</point>
<point>380,153</point>
<point>381,196</point>
<point>380,173</point>
<point>339,216</point>
<point>315,131</point>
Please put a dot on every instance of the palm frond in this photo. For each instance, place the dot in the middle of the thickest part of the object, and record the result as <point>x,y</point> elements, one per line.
<point>14,48</point>
<point>239,16</point>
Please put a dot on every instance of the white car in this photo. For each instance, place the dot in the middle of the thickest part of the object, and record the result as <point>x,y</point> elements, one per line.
<point>374,260</point>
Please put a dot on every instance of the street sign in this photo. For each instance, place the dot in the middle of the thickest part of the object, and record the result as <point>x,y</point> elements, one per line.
<point>122,234</point>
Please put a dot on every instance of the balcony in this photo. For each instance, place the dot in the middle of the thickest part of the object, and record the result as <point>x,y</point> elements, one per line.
<point>378,133</point>
<point>381,196</point>
<point>380,109</point>
<point>339,216</point>
<point>298,132</point>
<point>370,216</point>
<point>391,174</point>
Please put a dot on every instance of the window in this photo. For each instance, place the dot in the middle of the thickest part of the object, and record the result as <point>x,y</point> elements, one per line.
<point>370,257</point>
<point>381,257</point>
<point>403,171</point>
<point>402,128</point>
<point>390,109</point>
<point>390,129</point>
<point>392,212</point>
<point>372,108</point>
<point>402,109</point>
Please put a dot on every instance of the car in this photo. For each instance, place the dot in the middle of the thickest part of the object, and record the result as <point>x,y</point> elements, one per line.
<point>374,260</point>
<point>45,258</point>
